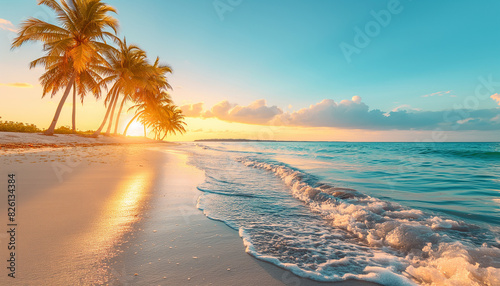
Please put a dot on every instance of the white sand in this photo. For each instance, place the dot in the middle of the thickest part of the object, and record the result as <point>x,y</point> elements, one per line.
<point>38,138</point>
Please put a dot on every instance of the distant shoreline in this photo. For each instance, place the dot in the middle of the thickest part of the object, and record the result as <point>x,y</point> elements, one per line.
<point>307,141</point>
<point>256,140</point>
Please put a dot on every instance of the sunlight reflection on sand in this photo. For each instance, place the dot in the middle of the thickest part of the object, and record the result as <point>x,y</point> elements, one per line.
<point>116,219</point>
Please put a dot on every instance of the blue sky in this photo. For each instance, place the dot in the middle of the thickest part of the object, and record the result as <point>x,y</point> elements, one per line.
<point>288,53</point>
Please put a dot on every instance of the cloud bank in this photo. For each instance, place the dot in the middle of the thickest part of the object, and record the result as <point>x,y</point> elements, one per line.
<point>352,114</point>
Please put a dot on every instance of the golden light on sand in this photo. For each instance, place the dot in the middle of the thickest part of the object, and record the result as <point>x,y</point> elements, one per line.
<point>117,217</point>
<point>123,209</point>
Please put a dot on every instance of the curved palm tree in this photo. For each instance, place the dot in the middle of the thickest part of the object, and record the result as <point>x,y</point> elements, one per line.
<point>148,106</point>
<point>152,95</point>
<point>134,78</point>
<point>79,39</point>
<point>171,122</point>
<point>129,68</point>
<point>156,81</point>
<point>164,119</point>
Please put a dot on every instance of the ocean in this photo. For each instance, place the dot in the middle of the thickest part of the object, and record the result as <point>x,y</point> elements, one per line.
<point>392,213</point>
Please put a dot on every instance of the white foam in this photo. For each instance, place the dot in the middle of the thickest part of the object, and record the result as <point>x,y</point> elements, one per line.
<point>432,255</point>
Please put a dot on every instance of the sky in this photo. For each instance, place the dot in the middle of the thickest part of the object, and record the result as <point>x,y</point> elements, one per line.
<point>294,70</point>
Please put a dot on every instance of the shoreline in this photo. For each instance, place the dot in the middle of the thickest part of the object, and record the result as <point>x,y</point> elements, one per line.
<point>177,244</point>
<point>103,214</point>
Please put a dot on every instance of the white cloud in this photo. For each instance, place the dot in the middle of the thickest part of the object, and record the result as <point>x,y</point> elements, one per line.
<point>256,113</point>
<point>192,110</point>
<point>439,93</point>
<point>496,97</point>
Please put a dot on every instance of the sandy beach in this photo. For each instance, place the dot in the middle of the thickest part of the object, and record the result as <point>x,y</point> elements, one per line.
<point>122,215</point>
<point>17,140</point>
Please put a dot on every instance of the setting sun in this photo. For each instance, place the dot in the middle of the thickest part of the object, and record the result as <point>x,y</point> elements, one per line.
<point>135,129</point>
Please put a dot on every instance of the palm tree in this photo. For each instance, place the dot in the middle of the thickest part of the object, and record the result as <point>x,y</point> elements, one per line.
<point>148,106</point>
<point>134,78</point>
<point>128,66</point>
<point>58,70</point>
<point>151,95</point>
<point>79,39</point>
<point>164,119</point>
<point>131,70</point>
<point>171,122</point>
<point>73,113</point>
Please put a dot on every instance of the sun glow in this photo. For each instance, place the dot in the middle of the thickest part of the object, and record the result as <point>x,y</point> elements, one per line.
<point>135,129</point>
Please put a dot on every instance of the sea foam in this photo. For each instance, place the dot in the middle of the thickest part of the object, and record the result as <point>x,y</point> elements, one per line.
<point>434,250</point>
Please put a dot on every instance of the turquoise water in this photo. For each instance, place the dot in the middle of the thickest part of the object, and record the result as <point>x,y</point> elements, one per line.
<point>393,213</point>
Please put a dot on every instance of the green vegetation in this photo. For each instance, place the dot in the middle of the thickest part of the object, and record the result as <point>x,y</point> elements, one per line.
<point>63,130</point>
<point>11,126</point>
<point>79,56</point>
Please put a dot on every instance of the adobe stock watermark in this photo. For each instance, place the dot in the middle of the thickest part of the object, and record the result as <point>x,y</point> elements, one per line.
<point>41,12</point>
<point>70,163</point>
<point>461,111</point>
<point>363,36</point>
<point>222,7</point>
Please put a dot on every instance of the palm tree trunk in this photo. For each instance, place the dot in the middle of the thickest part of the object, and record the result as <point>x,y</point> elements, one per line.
<point>144,130</point>
<point>73,119</point>
<point>98,131</point>
<point>164,136</point>
<point>118,115</point>
<point>108,131</point>
<point>130,122</point>
<point>50,130</point>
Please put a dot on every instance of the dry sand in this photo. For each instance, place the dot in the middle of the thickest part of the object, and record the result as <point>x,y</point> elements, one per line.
<point>121,215</point>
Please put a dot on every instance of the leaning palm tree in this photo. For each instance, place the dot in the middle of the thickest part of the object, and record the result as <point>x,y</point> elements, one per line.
<point>131,70</point>
<point>80,38</point>
<point>134,78</point>
<point>171,122</point>
<point>152,95</point>
<point>156,82</point>
<point>149,106</point>
<point>163,119</point>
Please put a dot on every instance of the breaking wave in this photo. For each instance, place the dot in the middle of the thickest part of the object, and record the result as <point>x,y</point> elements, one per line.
<point>426,248</point>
